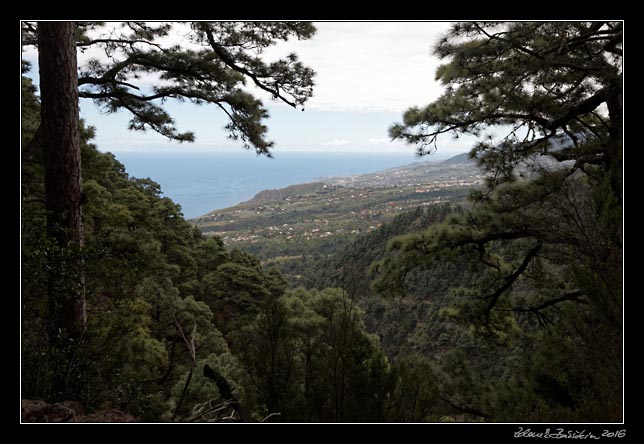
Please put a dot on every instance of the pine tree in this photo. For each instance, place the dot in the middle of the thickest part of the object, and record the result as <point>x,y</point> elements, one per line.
<point>545,234</point>
<point>553,93</point>
<point>550,88</point>
<point>211,66</point>
<point>59,133</point>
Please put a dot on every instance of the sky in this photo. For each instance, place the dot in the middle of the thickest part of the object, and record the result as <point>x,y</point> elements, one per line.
<point>367,75</point>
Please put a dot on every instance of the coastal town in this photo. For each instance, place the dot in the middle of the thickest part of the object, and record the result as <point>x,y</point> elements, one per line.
<point>340,207</point>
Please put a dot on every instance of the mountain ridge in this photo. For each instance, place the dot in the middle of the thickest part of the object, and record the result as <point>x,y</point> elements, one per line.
<point>458,159</point>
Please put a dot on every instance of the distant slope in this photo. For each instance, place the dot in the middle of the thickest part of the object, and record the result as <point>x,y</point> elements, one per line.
<point>411,182</point>
<point>460,158</point>
<point>282,193</point>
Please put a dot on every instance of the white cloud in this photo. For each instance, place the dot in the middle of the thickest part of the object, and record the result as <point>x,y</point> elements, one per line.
<point>336,142</point>
<point>370,66</point>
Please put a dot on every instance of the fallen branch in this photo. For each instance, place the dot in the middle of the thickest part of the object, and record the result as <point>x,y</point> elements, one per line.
<point>271,415</point>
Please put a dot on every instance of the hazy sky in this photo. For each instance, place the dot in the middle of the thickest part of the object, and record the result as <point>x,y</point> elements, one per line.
<point>368,73</point>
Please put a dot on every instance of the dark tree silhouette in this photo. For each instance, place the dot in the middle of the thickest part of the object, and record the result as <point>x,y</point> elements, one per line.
<point>224,387</point>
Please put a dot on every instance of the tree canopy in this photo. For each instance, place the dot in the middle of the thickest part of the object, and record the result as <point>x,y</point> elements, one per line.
<point>545,234</point>
<point>527,88</point>
<point>138,66</point>
<point>550,94</point>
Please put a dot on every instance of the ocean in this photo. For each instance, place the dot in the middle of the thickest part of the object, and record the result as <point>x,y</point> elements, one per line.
<point>203,182</point>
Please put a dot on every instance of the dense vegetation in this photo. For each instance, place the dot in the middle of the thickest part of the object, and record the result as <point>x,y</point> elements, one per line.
<point>507,309</point>
<point>163,301</point>
<point>546,250</point>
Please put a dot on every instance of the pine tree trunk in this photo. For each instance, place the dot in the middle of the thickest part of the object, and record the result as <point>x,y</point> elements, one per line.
<point>614,157</point>
<point>61,146</point>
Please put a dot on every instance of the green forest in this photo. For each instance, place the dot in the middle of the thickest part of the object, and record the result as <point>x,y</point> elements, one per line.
<point>506,306</point>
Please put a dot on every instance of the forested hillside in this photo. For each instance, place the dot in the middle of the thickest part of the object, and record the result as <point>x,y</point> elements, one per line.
<point>163,301</point>
<point>507,307</point>
<point>545,249</point>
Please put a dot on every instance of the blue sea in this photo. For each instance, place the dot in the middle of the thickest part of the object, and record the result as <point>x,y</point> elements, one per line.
<point>203,182</point>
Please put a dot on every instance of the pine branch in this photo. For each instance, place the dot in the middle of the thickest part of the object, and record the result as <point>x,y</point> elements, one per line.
<point>228,60</point>
<point>128,42</point>
<point>494,297</point>
<point>586,106</point>
<point>573,296</point>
